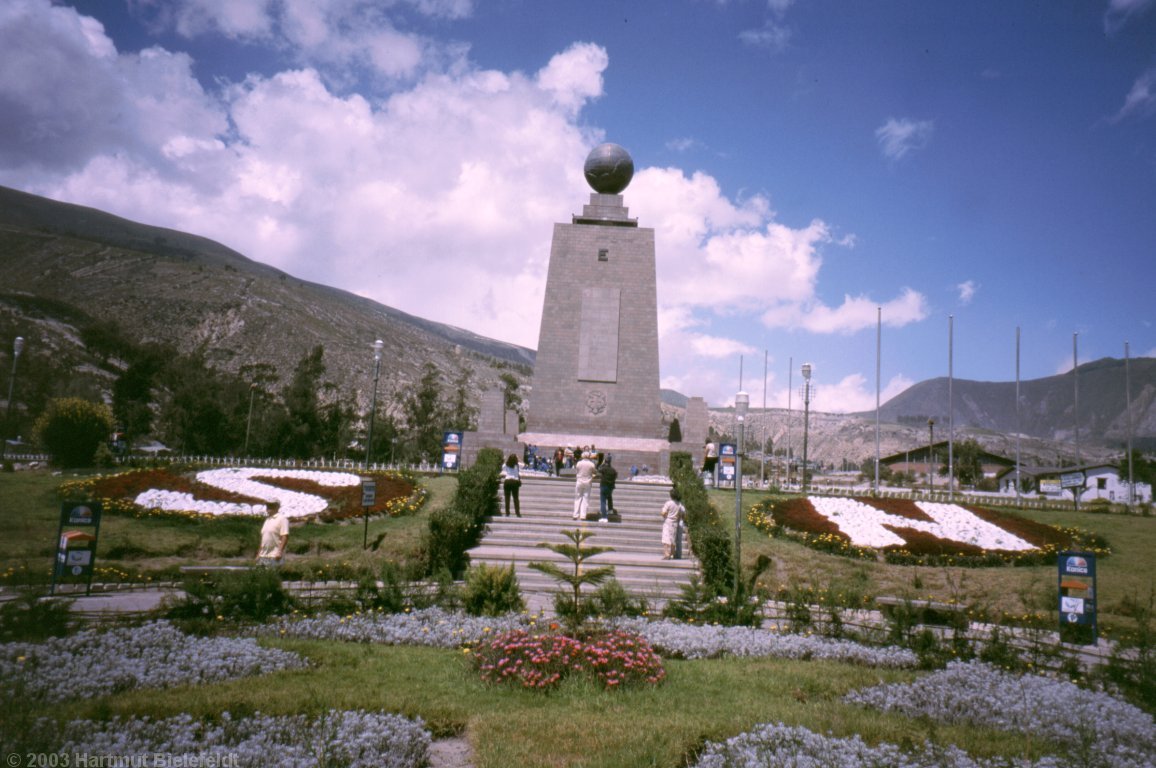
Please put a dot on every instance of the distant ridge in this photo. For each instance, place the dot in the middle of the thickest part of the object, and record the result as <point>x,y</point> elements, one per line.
<point>1047,406</point>
<point>69,262</point>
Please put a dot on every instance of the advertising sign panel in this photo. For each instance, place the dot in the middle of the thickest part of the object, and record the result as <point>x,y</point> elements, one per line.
<point>1072,480</point>
<point>1077,591</point>
<point>76,549</point>
<point>726,463</point>
<point>451,450</point>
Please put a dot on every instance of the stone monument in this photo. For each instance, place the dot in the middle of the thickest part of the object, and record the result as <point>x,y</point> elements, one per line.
<point>596,374</point>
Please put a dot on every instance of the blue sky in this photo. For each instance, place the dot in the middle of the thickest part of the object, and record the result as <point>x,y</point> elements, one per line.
<point>803,163</point>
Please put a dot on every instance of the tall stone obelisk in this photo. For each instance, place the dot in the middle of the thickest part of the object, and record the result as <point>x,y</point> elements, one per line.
<point>596,375</point>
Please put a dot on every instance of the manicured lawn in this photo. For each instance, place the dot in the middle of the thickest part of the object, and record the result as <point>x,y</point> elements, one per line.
<point>155,547</point>
<point>1126,576</point>
<point>577,725</point>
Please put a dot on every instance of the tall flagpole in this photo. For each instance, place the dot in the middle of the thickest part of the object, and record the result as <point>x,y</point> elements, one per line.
<point>1128,410</point>
<point>950,408</point>
<point>1076,395</point>
<point>763,447</point>
<point>790,413</point>
<point>878,365</point>
<point>1019,429</point>
<point>1076,492</point>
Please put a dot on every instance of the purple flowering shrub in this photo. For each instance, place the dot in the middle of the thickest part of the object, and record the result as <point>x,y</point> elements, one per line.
<point>542,661</point>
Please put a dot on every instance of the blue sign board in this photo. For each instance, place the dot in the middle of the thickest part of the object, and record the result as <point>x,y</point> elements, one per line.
<point>726,462</point>
<point>451,450</point>
<point>1077,592</point>
<point>76,549</point>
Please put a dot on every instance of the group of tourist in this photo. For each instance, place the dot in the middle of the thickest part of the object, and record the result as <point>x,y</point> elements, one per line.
<point>589,467</point>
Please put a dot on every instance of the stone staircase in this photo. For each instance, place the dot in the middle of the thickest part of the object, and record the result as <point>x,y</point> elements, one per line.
<point>547,511</point>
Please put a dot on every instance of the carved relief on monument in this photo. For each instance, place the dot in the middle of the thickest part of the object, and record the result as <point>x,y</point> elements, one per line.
<point>598,328</point>
<point>596,402</point>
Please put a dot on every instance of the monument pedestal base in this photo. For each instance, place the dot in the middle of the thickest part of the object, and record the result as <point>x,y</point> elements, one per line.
<point>627,451</point>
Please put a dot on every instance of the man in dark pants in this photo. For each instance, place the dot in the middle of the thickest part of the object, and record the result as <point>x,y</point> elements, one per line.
<point>607,476</point>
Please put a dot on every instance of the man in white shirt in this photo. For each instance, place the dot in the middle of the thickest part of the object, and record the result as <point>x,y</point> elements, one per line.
<point>274,536</point>
<point>585,469</point>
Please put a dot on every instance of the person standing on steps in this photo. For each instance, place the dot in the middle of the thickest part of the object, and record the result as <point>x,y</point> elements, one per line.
<point>584,471</point>
<point>607,477</point>
<point>511,481</point>
<point>672,514</point>
<point>709,458</point>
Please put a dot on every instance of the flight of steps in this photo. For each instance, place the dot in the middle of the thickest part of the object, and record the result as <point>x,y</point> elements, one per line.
<point>547,511</point>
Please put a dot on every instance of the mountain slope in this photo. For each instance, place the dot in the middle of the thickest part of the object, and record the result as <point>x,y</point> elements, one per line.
<point>168,286</point>
<point>1047,406</point>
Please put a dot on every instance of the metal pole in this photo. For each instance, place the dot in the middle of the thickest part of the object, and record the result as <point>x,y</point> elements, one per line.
<point>1076,394</point>
<point>930,455</point>
<point>377,345</point>
<point>17,348</point>
<point>1019,429</point>
<point>741,403</point>
<point>806,417</point>
<point>1076,491</point>
<point>878,384</point>
<point>1128,410</point>
<point>763,444</point>
<point>790,413</point>
<point>950,408</point>
<point>249,420</point>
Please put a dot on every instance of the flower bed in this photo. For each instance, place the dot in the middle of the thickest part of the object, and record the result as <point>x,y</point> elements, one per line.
<point>155,655</point>
<point>542,661</point>
<point>1076,726</point>
<point>245,491</point>
<point>432,627</point>
<point>689,641</point>
<point>917,533</point>
<point>1075,721</point>
<point>356,739</point>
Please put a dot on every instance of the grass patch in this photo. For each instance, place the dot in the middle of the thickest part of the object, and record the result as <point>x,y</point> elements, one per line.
<point>154,547</point>
<point>578,724</point>
<point>1025,595</point>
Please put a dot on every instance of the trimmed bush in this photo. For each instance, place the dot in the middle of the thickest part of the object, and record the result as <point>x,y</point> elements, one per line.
<point>253,595</point>
<point>492,591</point>
<point>459,525</point>
<point>710,541</point>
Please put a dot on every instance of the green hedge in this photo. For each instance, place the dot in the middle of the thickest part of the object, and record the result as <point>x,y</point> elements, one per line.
<point>709,538</point>
<point>458,526</point>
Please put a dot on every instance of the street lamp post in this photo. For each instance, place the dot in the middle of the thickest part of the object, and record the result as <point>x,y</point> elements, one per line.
<point>17,348</point>
<point>249,420</point>
<point>806,417</point>
<point>377,346</point>
<point>742,402</point>
<point>930,454</point>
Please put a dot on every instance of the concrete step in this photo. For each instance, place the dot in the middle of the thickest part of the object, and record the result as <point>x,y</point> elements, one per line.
<point>547,512</point>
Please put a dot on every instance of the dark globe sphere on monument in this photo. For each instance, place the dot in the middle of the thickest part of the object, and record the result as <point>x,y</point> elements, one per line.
<point>609,169</point>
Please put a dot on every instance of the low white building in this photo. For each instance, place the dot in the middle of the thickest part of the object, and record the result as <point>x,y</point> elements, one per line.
<point>1101,481</point>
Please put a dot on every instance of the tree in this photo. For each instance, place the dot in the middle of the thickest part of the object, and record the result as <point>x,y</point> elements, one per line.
<point>513,397</point>
<point>70,430</point>
<point>425,417</point>
<point>463,414</point>
<point>261,409</point>
<point>675,434</point>
<point>132,392</point>
<point>1143,468</point>
<point>968,462</point>
<point>570,605</point>
<point>885,472</point>
<point>299,433</point>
